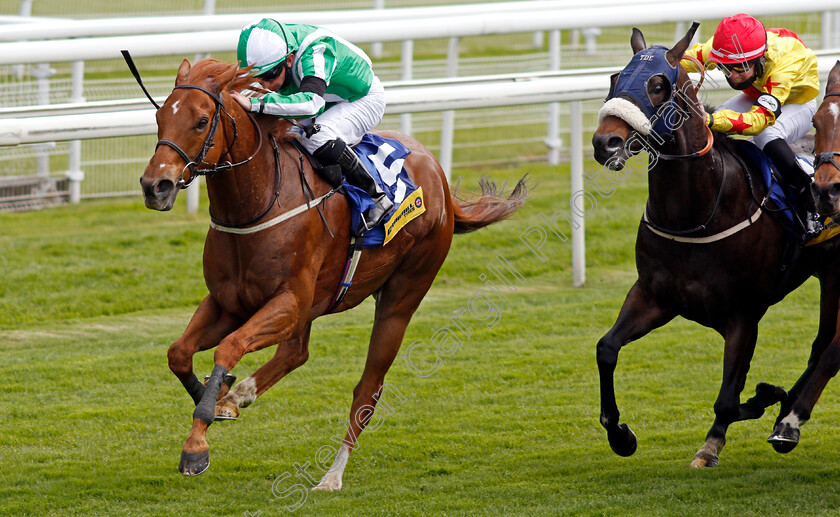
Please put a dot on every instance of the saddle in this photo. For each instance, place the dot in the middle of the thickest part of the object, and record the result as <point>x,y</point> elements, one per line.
<point>383,158</point>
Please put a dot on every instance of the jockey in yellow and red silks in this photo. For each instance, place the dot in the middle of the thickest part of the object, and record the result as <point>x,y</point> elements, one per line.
<point>778,79</point>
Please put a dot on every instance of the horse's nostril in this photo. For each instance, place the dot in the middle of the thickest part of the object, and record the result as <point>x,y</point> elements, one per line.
<point>164,188</point>
<point>615,142</point>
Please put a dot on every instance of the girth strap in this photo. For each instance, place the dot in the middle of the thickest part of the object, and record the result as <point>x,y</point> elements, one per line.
<point>353,256</point>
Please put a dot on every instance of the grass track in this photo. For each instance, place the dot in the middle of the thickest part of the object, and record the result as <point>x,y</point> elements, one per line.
<point>93,420</point>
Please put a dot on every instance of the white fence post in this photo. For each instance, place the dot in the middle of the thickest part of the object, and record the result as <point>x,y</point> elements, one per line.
<point>407,66</point>
<point>74,167</point>
<point>447,129</point>
<point>194,190</point>
<point>376,47</point>
<point>553,140</point>
<point>836,25</point>
<point>42,73</point>
<point>578,244</point>
<point>825,40</point>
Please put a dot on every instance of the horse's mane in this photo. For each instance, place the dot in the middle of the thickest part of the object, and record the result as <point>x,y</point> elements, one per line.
<point>221,76</point>
<point>227,76</point>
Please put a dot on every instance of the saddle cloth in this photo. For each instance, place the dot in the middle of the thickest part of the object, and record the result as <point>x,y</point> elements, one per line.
<point>780,195</point>
<point>384,158</point>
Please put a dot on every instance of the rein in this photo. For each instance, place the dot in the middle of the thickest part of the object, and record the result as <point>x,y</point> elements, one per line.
<point>827,157</point>
<point>310,202</point>
<point>680,235</point>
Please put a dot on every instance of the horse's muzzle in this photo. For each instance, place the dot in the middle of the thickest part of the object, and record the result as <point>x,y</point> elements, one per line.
<point>826,197</point>
<point>609,149</point>
<point>159,194</point>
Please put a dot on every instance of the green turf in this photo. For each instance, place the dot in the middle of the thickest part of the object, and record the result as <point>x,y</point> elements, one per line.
<point>93,422</point>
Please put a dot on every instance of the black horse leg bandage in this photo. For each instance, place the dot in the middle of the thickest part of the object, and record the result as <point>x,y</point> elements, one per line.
<point>206,408</point>
<point>194,388</point>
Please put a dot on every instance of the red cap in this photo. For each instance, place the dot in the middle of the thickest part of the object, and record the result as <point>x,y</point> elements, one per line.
<point>738,39</point>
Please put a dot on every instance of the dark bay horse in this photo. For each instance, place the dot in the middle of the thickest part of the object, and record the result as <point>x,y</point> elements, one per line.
<point>825,356</point>
<point>703,249</point>
<point>266,287</point>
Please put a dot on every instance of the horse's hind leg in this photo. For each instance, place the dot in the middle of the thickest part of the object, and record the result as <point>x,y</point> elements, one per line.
<point>639,315</point>
<point>208,326</point>
<point>739,337</point>
<point>822,365</point>
<point>396,303</point>
<point>289,355</point>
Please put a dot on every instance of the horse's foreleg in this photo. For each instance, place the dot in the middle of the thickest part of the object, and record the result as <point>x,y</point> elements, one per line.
<point>739,345</point>
<point>289,355</point>
<point>639,315</point>
<point>277,321</point>
<point>208,326</point>
<point>807,389</point>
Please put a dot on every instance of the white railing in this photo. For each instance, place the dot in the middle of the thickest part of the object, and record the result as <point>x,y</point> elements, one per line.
<point>446,94</point>
<point>55,29</point>
<point>452,22</point>
<point>84,49</point>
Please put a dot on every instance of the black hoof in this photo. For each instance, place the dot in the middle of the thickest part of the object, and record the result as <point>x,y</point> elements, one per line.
<point>194,463</point>
<point>622,440</point>
<point>784,438</point>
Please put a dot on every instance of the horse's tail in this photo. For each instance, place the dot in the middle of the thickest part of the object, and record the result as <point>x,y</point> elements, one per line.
<point>489,207</point>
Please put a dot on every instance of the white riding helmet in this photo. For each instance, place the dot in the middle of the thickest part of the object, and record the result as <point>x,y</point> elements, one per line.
<point>264,45</point>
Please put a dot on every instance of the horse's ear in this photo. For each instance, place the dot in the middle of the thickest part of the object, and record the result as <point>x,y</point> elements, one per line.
<point>183,72</point>
<point>637,41</point>
<point>675,54</point>
<point>833,78</point>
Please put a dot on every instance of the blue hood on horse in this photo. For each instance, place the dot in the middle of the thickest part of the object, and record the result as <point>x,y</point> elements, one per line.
<point>631,84</point>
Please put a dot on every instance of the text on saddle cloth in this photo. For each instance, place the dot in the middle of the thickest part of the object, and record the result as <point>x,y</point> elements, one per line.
<point>384,158</point>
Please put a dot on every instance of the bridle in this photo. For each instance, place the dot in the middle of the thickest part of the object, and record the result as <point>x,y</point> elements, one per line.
<point>710,138</point>
<point>193,163</point>
<point>827,156</point>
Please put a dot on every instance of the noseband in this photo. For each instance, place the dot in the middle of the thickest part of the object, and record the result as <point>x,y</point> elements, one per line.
<point>828,156</point>
<point>193,163</point>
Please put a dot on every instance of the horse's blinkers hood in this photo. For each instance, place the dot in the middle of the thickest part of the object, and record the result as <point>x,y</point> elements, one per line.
<point>631,84</point>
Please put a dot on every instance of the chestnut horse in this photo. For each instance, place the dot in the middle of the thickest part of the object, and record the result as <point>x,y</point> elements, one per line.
<point>266,287</point>
<point>703,249</point>
<point>825,356</point>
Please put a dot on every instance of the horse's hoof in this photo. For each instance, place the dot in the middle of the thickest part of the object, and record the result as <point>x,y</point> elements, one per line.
<point>784,438</point>
<point>226,411</point>
<point>194,463</point>
<point>329,483</point>
<point>702,460</point>
<point>622,441</point>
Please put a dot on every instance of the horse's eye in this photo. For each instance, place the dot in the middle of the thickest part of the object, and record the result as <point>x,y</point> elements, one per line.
<point>658,88</point>
<point>202,123</point>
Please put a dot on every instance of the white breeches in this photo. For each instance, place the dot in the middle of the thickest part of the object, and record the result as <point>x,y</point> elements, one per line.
<point>349,121</point>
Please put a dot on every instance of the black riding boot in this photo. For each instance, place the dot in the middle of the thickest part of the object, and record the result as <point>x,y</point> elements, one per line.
<point>337,152</point>
<point>800,183</point>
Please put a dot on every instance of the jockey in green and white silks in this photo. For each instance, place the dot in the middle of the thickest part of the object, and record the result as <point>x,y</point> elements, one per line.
<point>315,73</point>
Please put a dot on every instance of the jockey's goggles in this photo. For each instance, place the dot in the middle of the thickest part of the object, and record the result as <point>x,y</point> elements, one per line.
<point>738,68</point>
<point>274,73</point>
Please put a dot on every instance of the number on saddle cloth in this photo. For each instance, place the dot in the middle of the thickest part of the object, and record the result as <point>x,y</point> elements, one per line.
<point>384,158</point>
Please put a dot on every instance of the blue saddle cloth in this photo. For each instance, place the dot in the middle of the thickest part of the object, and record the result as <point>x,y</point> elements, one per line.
<point>383,158</point>
<point>780,195</point>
